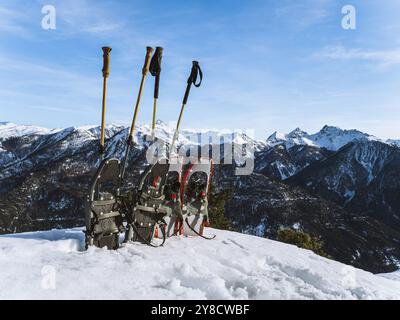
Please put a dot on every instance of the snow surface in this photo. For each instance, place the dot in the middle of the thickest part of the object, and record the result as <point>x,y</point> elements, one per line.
<point>53,265</point>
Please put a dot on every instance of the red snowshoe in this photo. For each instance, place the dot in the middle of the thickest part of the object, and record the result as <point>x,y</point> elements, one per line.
<point>194,196</point>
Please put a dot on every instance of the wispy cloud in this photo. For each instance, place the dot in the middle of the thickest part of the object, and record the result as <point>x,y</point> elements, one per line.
<point>305,14</point>
<point>383,57</point>
<point>86,16</point>
<point>11,21</point>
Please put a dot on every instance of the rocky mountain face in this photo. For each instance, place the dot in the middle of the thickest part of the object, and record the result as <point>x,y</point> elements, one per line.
<point>340,185</point>
<point>362,176</point>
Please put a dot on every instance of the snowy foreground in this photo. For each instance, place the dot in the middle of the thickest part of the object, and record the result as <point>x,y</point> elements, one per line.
<point>53,265</point>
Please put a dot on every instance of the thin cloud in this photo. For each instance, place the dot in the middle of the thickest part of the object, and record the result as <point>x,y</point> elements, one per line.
<point>92,17</point>
<point>384,57</point>
<point>305,14</point>
<point>11,21</point>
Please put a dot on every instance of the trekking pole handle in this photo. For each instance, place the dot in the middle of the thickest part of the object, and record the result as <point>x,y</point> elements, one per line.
<point>158,56</point>
<point>106,61</point>
<point>194,73</point>
<point>145,70</point>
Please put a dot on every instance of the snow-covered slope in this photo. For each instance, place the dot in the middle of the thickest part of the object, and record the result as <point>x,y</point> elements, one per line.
<point>53,265</point>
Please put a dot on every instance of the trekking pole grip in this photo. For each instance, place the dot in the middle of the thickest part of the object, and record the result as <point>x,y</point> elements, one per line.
<point>158,54</point>
<point>106,61</point>
<point>194,73</point>
<point>145,70</point>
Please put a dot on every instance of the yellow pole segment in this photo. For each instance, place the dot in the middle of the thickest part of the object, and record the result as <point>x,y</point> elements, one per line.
<point>145,70</point>
<point>106,73</point>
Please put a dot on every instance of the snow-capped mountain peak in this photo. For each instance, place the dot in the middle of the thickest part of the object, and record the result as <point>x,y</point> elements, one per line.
<point>276,138</point>
<point>297,133</point>
<point>9,129</point>
<point>333,138</point>
<point>295,137</point>
<point>329,137</point>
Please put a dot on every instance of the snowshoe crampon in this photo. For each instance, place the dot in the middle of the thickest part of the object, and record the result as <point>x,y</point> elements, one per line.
<point>149,209</point>
<point>103,218</point>
<point>194,196</point>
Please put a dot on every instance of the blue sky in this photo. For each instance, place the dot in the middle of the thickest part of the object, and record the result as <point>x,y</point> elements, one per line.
<point>268,65</point>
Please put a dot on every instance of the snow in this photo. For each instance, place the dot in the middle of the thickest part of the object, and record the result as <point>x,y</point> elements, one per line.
<point>393,142</point>
<point>8,129</point>
<point>329,137</point>
<point>392,276</point>
<point>53,265</point>
<point>333,138</point>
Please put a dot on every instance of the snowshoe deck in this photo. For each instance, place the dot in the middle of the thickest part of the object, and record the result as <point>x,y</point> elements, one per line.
<point>194,193</point>
<point>103,219</point>
<point>173,201</point>
<point>149,210</point>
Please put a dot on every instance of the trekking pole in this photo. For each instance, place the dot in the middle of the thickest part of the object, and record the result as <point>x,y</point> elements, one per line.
<point>145,70</point>
<point>106,72</point>
<point>155,71</point>
<point>195,72</point>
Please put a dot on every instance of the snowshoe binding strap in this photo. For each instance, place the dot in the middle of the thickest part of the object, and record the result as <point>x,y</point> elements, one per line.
<point>146,240</point>
<point>200,235</point>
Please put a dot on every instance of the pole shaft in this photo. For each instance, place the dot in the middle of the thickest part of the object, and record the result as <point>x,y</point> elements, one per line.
<point>178,124</point>
<point>153,125</point>
<point>137,107</point>
<point>103,113</point>
<point>106,73</point>
<point>128,147</point>
<point>145,70</point>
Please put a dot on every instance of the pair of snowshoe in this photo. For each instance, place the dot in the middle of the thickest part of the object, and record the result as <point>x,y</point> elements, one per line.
<point>170,199</point>
<point>186,194</point>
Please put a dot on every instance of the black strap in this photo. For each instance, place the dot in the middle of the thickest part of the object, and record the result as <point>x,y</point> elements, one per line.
<point>196,72</point>
<point>200,235</point>
<point>147,241</point>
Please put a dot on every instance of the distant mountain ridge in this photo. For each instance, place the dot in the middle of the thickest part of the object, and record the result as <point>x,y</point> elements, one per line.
<point>329,137</point>
<point>340,185</point>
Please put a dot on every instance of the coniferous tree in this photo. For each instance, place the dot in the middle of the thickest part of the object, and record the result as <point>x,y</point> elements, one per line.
<point>216,210</point>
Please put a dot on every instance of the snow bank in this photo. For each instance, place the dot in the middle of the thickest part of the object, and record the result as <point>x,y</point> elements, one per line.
<point>53,265</point>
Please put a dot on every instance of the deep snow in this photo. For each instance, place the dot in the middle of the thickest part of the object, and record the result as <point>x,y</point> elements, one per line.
<point>53,265</point>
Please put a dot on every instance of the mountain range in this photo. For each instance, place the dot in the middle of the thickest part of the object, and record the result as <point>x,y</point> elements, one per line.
<point>339,185</point>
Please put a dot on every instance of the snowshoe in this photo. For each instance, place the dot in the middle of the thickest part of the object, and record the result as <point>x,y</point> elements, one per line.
<point>194,192</point>
<point>173,221</point>
<point>149,209</point>
<point>103,218</point>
